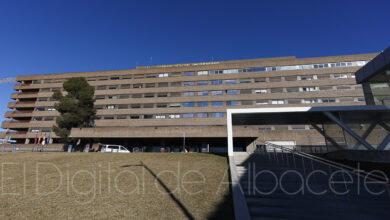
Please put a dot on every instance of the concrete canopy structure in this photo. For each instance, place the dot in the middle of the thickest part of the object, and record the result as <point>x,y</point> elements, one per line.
<point>375,78</point>
<point>341,117</point>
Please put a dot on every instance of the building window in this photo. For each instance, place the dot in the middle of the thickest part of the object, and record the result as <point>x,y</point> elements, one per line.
<point>203,115</point>
<point>202,83</point>
<point>292,89</point>
<point>216,82</point>
<point>189,104</point>
<point>125,86</point>
<point>310,101</point>
<point>161,105</point>
<point>175,84</point>
<point>113,87</point>
<point>189,73</point>
<point>231,92</point>
<point>188,115</point>
<point>189,83</point>
<point>294,101</point>
<point>174,105</point>
<point>162,75</point>
<point>247,102</point>
<point>260,80</point>
<point>162,94</point>
<point>262,102</point>
<point>149,95</point>
<point>123,106</point>
<point>231,81</point>
<point>245,91</point>
<point>110,107</point>
<point>343,87</point>
<point>307,78</point>
<point>277,102</point>
<point>217,103</point>
<point>134,117</point>
<point>163,84</point>
<point>276,90</point>
<point>260,91</point>
<point>135,105</point>
<point>174,116</point>
<point>108,117</point>
<point>216,72</point>
<point>245,80</point>
<point>188,94</point>
<point>231,103</point>
<point>124,96</point>
<point>148,105</point>
<point>148,76</point>
<point>275,79</point>
<point>217,115</point>
<point>216,92</point>
<point>203,73</point>
<point>160,116</point>
<point>290,78</point>
<point>137,86</point>
<point>121,117</point>
<point>42,99</point>
<point>203,104</point>
<point>324,88</point>
<point>340,76</point>
<point>175,94</point>
<point>148,116</point>
<point>328,100</point>
<point>150,85</point>
<point>203,93</point>
<point>309,89</point>
<point>34,130</point>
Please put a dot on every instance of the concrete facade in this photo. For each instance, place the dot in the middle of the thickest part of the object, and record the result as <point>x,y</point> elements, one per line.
<point>172,101</point>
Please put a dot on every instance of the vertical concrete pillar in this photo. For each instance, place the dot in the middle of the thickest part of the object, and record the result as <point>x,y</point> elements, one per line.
<point>230,133</point>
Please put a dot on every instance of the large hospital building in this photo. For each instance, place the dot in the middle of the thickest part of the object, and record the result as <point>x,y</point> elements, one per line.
<point>166,105</point>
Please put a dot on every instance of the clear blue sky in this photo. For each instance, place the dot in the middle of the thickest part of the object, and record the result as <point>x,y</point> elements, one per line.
<point>53,36</point>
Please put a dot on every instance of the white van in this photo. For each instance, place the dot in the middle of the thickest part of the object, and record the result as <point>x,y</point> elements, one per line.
<point>113,148</point>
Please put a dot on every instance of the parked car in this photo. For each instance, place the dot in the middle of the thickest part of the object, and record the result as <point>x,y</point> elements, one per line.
<point>113,148</point>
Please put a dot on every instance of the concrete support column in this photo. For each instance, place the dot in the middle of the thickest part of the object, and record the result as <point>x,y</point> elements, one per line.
<point>230,133</point>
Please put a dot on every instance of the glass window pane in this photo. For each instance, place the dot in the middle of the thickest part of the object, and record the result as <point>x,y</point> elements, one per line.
<point>202,104</point>
<point>189,104</point>
<point>217,103</point>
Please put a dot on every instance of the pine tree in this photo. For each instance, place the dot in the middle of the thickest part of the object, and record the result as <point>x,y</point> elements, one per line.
<point>75,107</point>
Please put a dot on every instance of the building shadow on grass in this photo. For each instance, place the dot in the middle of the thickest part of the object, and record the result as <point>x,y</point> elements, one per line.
<point>224,210</point>
<point>181,205</point>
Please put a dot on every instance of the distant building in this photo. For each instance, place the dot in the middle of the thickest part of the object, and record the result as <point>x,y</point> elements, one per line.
<point>160,106</point>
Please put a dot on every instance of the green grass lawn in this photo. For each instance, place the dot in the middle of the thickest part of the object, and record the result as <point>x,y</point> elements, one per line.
<point>114,186</point>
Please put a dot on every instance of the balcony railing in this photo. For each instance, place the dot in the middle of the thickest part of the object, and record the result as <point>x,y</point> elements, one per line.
<point>25,102</point>
<point>20,111</point>
<point>27,93</point>
<point>16,132</point>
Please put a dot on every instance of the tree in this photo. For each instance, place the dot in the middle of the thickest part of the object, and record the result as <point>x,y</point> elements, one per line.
<point>75,108</point>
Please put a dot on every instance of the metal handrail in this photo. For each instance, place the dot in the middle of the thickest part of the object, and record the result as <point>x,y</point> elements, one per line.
<point>349,169</point>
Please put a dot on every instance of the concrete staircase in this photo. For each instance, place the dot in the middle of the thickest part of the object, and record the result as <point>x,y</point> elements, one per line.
<point>271,184</point>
